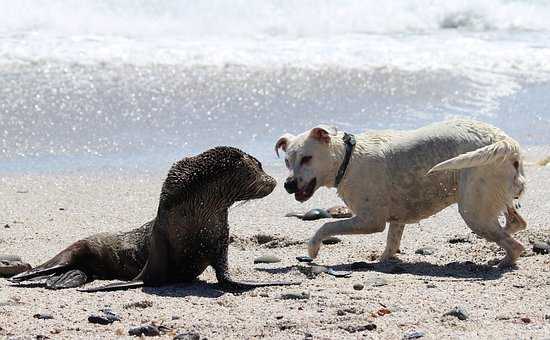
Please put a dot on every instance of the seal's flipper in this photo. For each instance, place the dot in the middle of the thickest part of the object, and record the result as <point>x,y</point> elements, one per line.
<point>113,287</point>
<point>38,272</point>
<point>71,279</point>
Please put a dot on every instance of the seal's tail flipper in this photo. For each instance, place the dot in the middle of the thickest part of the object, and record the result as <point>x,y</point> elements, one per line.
<point>44,270</point>
<point>113,287</point>
<point>70,279</point>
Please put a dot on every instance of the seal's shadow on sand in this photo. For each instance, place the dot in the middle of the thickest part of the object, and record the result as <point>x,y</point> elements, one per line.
<point>196,288</point>
<point>463,270</point>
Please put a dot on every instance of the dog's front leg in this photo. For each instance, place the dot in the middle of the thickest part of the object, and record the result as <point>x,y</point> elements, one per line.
<point>350,226</point>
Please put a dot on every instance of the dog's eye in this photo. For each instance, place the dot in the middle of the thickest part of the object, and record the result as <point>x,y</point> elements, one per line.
<point>305,160</point>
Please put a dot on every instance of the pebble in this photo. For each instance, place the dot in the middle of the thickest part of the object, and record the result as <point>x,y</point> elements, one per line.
<point>425,251</point>
<point>7,226</point>
<point>458,312</point>
<point>10,268</point>
<point>331,240</point>
<point>413,335</point>
<point>316,214</point>
<point>107,318</point>
<point>147,330</point>
<point>541,248</point>
<point>43,316</point>
<point>304,259</point>
<point>339,273</point>
<point>267,259</point>
<point>358,286</point>
<point>525,320</point>
<point>295,296</point>
<point>187,336</point>
<point>362,328</point>
<point>139,304</point>
<point>460,239</point>
<point>340,212</point>
<point>308,336</point>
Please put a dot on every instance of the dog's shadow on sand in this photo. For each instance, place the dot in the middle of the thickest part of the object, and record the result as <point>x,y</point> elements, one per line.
<point>458,270</point>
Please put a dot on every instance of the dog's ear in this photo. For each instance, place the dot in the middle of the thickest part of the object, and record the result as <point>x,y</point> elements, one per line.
<point>323,133</point>
<point>282,142</point>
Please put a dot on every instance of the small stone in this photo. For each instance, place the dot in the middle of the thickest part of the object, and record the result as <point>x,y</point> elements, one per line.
<point>339,273</point>
<point>146,330</point>
<point>139,304</point>
<point>316,214</point>
<point>187,336</point>
<point>10,268</point>
<point>331,240</point>
<point>295,296</point>
<point>457,312</point>
<point>304,259</point>
<point>425,251</point>
<point>7,226</point>
<point>525,320</point>
<point>41,316</point>
<point>39,337</point>
<point>541,248</point>
<point>358,286</point>
<point>267,259</point>
<point>460,239</point>
<point>278,317</point>
<point>175,317</point>
<point>308,336</point>
<point>431,285</point>
<point>108,317</point>
<point>413,335</point>
<point>340,212</point>
<point>61,209</point>
<point>362,328</point>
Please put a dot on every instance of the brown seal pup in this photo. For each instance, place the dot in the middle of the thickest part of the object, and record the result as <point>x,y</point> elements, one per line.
<point>189,233</point>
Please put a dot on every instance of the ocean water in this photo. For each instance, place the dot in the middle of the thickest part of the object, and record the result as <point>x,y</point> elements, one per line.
<point>138,84</point>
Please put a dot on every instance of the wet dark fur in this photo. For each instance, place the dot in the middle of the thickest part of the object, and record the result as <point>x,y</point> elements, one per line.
<point>189,233</point>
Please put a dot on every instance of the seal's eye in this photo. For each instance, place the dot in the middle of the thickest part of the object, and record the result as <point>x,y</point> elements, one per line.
<point>287,163</point>
<point>305,160</point>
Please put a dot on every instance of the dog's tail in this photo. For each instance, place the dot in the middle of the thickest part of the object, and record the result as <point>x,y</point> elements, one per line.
<point>497,152</point>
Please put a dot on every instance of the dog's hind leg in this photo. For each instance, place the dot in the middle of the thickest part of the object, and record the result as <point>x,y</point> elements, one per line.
<point>350,226</point>
<point>395,232</point>
<point>484,193</point>
<point>514,222</point>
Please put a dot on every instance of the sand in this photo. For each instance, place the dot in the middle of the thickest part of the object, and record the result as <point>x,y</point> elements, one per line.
<point>46,212</point>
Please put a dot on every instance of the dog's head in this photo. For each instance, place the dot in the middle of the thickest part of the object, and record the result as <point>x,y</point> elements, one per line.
<point>309,160</point>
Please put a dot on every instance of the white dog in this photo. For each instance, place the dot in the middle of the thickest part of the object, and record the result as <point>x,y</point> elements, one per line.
<point>402,177</point>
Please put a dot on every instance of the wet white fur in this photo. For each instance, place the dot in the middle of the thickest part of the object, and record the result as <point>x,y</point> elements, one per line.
<point>402,177</point>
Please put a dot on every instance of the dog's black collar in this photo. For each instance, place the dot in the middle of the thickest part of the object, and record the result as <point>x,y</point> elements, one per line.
<point>349,140</point>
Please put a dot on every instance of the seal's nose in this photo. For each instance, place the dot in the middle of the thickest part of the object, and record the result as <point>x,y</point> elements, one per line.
<point>290,185</point>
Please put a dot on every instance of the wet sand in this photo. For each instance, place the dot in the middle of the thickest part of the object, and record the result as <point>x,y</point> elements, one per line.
<point>45,213</point>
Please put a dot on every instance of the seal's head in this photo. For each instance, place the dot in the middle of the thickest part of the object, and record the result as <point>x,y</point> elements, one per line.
<point>220,176</point>
<point>247,176</point>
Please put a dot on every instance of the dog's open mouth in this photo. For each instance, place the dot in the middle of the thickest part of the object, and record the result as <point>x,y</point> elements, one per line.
<point>305,193</point>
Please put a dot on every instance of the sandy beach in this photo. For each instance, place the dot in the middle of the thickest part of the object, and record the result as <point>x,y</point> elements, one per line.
<point>43,213</point>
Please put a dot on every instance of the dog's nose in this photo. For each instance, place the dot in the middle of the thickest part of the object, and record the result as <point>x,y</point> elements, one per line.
<point>290,185</point>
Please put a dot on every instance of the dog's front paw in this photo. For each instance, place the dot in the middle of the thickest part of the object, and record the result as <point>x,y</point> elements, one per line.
<point>313,247</point>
